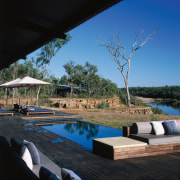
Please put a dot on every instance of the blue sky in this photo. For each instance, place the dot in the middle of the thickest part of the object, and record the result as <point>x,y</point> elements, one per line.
<point>157,63</point>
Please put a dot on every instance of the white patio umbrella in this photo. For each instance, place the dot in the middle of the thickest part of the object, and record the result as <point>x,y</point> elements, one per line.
<point>9,83</point>
<point>27,82</point>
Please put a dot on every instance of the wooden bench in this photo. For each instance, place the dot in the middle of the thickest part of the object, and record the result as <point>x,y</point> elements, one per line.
<point>122,148</point>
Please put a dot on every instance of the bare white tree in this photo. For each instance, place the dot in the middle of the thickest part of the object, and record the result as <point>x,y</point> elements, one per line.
<point>118,51</point>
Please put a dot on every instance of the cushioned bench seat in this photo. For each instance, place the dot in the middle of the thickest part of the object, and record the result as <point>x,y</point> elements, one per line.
<point>153,139</point>
<point>162,137</point>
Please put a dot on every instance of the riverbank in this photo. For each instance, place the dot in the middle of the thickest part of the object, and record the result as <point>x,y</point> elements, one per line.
<point>147,100</point>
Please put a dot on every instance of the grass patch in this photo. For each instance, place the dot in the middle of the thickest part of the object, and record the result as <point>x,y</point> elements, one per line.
<point>154,117</point>
<point>118,120</point>
<point>115,119</point>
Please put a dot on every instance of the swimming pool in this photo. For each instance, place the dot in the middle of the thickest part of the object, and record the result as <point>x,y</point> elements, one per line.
<point>83,132</point>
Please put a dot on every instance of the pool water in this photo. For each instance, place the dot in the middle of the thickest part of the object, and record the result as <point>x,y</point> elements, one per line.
<point>83,132</point>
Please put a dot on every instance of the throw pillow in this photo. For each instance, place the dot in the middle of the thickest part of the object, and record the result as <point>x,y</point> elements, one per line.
<point>46,174</point>
<point>158,128</point>
<point>23,152</point>
<point>26,156</point>
<point>33,151</point>
<point>170,127</point>
<point>69,175</point>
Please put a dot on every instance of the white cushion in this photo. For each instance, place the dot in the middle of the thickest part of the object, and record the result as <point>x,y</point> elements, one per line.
<point>26,156</point>
<point>33,151</point>
<point>158,127</point>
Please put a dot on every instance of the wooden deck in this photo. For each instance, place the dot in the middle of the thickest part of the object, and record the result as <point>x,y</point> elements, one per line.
<point>88,165</point>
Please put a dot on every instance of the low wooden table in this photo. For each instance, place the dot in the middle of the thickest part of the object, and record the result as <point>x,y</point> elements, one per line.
<point>118,147</point>
<point>124,147</point>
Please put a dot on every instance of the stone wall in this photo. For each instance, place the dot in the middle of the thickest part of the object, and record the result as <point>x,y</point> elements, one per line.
<point>136,110</point>
<point>79,103</point>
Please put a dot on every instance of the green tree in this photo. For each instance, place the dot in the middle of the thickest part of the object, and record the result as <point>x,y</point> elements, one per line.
<point>64,80</point>
<point>48,51</point>
<point>70,70</point>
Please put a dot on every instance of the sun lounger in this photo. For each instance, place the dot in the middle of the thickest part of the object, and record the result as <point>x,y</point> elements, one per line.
<point>5,112</point>
<point>36,110</point>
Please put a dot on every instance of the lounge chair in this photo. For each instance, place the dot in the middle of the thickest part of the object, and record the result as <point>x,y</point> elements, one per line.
<point>5,112</point>
<point>28,110</point>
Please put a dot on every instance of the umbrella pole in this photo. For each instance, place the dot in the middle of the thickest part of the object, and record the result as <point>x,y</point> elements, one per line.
<point>6,99</point>
<point>31,96</point>
<point>19,96</point>
<point>37,99</point>
<point>13,97</point>
<point>27,98</point>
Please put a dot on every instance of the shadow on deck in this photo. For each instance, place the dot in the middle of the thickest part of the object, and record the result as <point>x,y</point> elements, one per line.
<point>89,166</point>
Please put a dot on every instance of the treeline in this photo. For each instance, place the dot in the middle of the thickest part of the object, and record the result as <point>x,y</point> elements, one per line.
<point>166,92</point>
<point>84,76</point>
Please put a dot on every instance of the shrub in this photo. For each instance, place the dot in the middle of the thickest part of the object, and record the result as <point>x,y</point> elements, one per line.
<point>156,110</point>
<point>82,95</point>
<point>154,118</point>
<point>102,105</point>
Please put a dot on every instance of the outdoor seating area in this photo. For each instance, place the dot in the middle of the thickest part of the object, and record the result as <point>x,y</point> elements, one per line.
<point>87,164</point>
<point>4,112</point>
<point>156,132</point>
<point>142,139</point>
<point>29,110</point>
<point>25,161</point>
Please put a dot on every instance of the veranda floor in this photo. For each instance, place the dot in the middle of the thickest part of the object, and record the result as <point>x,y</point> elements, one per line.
<point>88,165</point>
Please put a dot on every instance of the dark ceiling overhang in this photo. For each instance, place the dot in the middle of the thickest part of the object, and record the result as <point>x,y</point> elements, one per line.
<point>26,25</point>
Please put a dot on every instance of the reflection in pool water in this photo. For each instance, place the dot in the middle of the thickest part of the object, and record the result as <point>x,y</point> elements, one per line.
<point>83,132</point>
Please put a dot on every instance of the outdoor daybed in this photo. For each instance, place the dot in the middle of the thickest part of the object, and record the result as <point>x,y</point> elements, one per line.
<point>28,110</point>
<point>141,139</point>
<point>5,112</point>
<point>162,137</point>
<point>37,110</point>
<point>23,161</point>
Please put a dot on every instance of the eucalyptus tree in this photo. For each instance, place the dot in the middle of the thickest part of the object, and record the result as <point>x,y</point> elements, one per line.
<point>63,79</point>
<point>118,53</point>
<point>70,70</point>
<point>83,76</point>
<point>47,52</point>
<point>90,77</point>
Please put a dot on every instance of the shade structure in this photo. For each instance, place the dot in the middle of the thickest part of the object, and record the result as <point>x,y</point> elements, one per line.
<point>27,82</point>
<point>6,85</point>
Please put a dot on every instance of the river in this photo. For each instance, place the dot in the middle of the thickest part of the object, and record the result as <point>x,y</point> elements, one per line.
<point>166,109</point>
